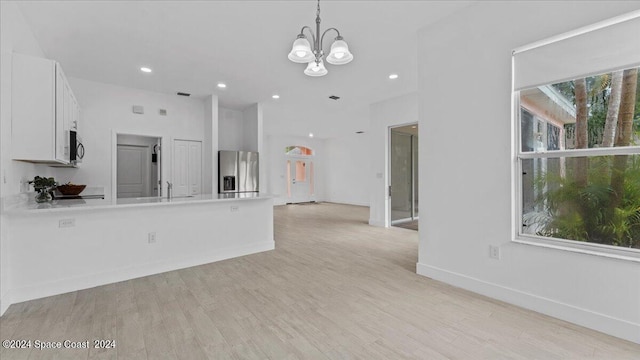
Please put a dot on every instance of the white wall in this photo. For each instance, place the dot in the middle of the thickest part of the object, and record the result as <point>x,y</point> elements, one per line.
<point>385,114</point>
<point>348,164</point>
<point>106,108</point>
<point>465,95</point>
<point>230,136</point>
<point>251,127</point>
<point>275,170</point>
<point>239,128</point>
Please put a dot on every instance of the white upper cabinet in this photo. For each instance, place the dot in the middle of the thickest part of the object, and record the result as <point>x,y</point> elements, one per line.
<point>43,109</point>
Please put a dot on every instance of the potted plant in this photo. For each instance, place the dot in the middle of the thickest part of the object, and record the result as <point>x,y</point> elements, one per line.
<point>43,186</point>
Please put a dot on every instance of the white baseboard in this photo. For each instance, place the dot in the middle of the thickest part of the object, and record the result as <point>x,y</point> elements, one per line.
<point>92,280</point>
<point>583,317</point>
<point>343,202</point>
<point>374,222</point>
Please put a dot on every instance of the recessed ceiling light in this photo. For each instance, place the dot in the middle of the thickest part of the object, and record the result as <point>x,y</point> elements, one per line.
<point>222,85</point>
<point>393,76</point>
<point>414,127</point>
<point>310,135</point>
<point>145,69</point>
<point>276,96</point>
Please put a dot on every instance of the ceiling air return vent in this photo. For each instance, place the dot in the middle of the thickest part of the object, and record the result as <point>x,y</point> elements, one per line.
<point>184,94</point>
<point>333,97</point>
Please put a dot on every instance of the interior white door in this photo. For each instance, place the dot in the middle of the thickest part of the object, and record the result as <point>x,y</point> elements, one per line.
<point>195,168</point>
<point>187,167</point>
<point>180,168</point>
<point>301,180</point>
<point>133,171</point>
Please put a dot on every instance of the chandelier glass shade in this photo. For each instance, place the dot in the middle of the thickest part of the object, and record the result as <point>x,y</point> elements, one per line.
<point>303,51</point>
<point>339,54</point>
<point>316,68</point>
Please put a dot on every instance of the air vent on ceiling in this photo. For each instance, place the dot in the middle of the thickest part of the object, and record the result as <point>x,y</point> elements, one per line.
<point>360,132</point>
<point>333,97</point>
<point>184,94</point>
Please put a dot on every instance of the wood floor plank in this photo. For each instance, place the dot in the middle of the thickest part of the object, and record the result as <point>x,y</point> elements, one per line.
<point>334,288</point>
<point>180,333</point>
<point>130,336</point>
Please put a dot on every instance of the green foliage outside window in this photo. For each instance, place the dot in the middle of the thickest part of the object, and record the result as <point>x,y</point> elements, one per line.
<point>594,199</point>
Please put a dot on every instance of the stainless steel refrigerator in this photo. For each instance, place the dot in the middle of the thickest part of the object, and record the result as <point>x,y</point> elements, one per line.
<point>238,171</point>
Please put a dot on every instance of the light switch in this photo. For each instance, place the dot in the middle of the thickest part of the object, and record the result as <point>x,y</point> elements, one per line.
<point>138,109</point>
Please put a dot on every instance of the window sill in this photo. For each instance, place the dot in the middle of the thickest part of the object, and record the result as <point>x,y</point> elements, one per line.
<point>625,254</point>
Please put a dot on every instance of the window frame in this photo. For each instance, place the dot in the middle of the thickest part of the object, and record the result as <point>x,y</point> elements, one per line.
<point>519,237</point>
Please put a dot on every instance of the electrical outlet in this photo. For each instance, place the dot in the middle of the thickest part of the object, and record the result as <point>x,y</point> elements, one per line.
<point>494,252</point>
<point>234,208</point>
<point>152,237</point>
<point>65,223</point>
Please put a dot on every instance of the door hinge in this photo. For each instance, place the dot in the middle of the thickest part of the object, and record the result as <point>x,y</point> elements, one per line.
<point>389,190</point>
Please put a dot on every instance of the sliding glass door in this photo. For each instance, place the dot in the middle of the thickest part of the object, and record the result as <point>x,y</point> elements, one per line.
<point>404,174</point>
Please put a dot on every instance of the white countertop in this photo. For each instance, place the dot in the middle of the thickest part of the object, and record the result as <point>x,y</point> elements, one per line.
<point>31,206</point>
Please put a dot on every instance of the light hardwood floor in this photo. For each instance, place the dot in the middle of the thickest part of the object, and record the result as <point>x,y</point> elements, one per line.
<point>334,288</point>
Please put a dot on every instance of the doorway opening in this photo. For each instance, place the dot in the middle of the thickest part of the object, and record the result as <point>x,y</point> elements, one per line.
<point>300,174</point>
<point>403,176</point>
<point>138,169</point>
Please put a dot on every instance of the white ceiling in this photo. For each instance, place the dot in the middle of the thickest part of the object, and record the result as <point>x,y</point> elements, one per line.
<point>193,45</point>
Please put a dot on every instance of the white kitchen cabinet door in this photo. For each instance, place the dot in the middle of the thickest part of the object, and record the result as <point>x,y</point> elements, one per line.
<point>33,109</point>
<point>64,113</point>
<point>75,113</point>
<point>187,167</point>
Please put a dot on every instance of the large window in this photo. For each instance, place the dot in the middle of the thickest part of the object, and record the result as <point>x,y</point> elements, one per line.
<point>578,142</point>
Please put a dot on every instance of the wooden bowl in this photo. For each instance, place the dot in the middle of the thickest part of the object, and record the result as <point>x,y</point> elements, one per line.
<point>71,189</point>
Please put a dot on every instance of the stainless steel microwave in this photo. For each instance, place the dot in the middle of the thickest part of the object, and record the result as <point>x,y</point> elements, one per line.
<point>76,148</point>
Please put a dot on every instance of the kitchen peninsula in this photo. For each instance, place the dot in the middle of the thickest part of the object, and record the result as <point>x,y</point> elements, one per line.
<point>66,246</point>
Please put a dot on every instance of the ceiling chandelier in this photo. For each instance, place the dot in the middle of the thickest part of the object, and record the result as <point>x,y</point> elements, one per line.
<point>301,52</point>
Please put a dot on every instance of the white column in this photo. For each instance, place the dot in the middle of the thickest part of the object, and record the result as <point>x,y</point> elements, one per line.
<point>210,152</point>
